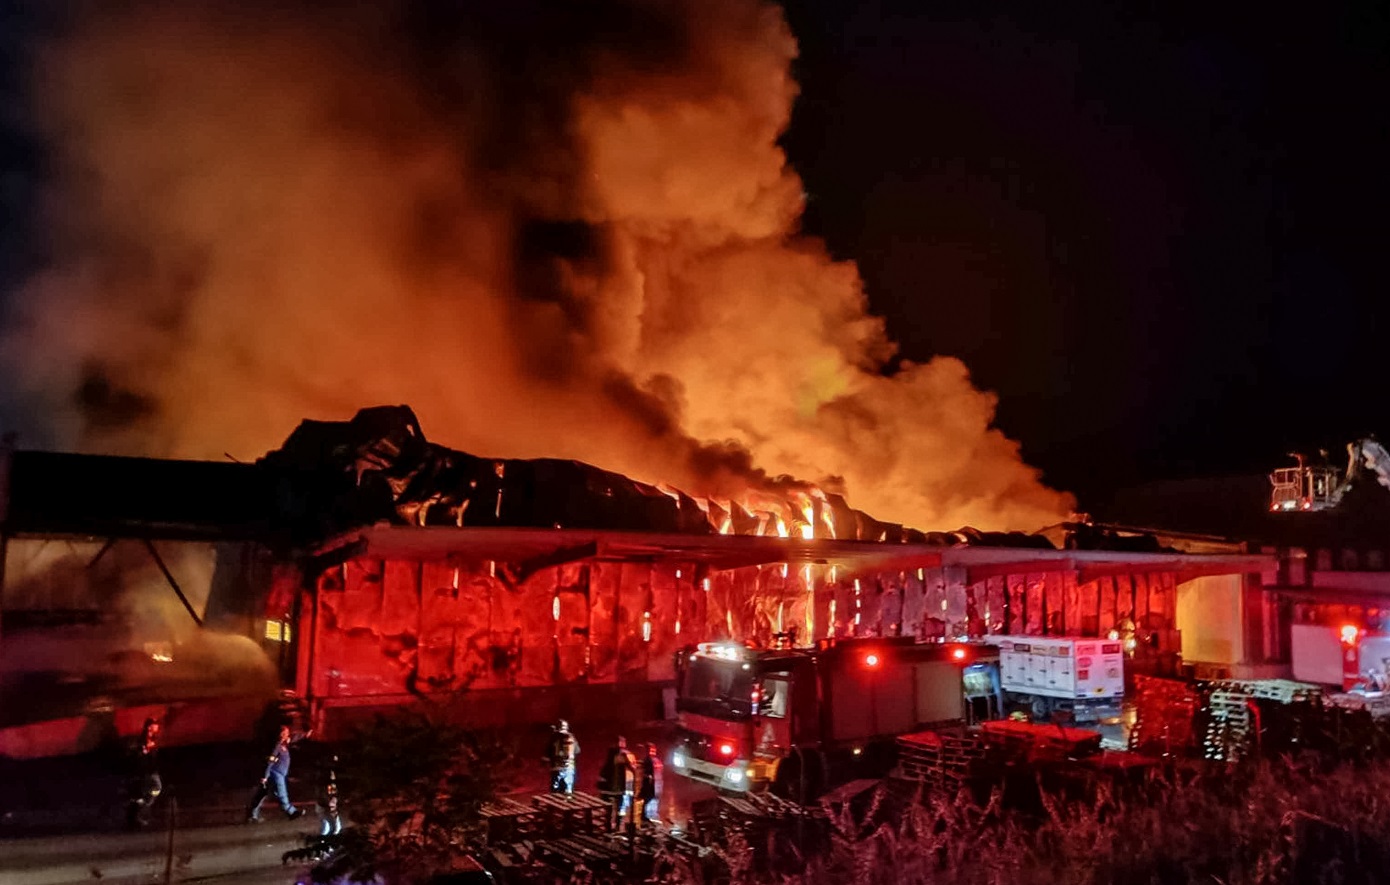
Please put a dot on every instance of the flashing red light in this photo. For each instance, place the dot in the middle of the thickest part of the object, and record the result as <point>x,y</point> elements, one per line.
<point>871,660</point>
<point>1350,633</point>
<point>726,749</point>
<point>958,654</point>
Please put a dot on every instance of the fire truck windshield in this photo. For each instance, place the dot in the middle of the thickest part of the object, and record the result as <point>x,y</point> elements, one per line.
<point>717,687</point>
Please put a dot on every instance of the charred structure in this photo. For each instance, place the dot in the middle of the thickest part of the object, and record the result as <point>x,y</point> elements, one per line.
<point>375,568</point>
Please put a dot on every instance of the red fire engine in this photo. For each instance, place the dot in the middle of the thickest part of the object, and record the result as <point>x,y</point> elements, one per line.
<point>799,720</point>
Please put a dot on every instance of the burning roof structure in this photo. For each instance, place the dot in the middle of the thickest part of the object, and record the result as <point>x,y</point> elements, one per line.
<point>379,467</point>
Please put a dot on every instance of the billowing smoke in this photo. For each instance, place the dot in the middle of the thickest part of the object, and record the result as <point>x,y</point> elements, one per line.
<point>553,229</point>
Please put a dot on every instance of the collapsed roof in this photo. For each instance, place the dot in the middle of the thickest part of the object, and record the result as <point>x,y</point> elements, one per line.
<point>379,467</point>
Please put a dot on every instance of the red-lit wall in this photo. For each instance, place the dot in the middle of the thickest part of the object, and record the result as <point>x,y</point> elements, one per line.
<point>389,629</point>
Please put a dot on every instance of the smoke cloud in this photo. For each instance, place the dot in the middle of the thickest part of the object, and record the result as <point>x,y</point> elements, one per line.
<point>553,229</point>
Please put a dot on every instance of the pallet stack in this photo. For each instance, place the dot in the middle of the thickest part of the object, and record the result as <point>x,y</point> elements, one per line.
<point>1039,742</point>
<point>1284,691</point>
<point>507,820</point>
<point>1165,713</point>
<point>560,814</point>
<point>939,759</point>
<point>1231,726</point>
<point>1283,714</point>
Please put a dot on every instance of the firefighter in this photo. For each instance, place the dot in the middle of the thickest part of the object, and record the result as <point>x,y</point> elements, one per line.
<point>615,782</point>
<point>330,815</point>
<point>561,755</point>
<point>649,791</point>
<point>277,771</point>
<point>145,784</point>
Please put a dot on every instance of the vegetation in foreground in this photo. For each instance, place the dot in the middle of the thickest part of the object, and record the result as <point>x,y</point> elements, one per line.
<point>1260,822</point>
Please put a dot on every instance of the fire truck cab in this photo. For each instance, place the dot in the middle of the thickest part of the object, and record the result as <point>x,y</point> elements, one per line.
<point>799,720</point>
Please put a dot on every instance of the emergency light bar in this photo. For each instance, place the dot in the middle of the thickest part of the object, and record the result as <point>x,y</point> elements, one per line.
<point>727,651</point>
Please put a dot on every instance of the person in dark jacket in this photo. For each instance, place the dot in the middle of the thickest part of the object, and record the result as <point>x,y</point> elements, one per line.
<point>561,755</point>
<point>145,784</point>
<point>649,790</point>
<point>331,816</point>
<point>277,772</point>
<point>616,781</point>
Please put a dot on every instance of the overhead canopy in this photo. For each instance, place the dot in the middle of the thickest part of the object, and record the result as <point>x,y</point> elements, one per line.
<point>546,547</point>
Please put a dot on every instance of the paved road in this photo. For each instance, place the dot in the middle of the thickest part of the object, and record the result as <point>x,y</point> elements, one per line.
<point>68,829</point>
<point>235,853</point>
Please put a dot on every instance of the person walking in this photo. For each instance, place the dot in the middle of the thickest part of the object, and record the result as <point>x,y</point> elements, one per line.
<point>277,772</point>
<point>615,782</point>
<point>145,784</point>
<point>649,791</point>
<point>562,755</point>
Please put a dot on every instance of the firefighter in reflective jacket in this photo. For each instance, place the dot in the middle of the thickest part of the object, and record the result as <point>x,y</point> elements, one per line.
<point>561,756</point>
<point>616,781</point>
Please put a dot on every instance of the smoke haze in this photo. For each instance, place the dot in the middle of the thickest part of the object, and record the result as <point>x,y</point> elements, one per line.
<point>553,229</point>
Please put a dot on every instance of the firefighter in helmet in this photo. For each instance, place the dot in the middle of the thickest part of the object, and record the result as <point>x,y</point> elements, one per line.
<point>561,755</point>
<point>616,781</point>
<point>649,791</point>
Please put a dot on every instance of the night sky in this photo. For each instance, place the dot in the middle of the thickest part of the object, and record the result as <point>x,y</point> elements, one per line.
<point>1156,232</point>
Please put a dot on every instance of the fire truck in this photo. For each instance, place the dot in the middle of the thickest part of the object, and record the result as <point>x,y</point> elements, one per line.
<point>1348,655</point>
<point>798,720</point>
<point>1317,485</point>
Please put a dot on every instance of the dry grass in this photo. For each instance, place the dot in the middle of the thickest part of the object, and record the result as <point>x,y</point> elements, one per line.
<point>1265,823</point>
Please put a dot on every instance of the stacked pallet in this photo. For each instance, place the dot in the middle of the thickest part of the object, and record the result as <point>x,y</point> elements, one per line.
<point>1284,691</point>
<point>583,849</point>
<point>1165,711</point>
<point>507,820</point>
<point>1231,726</point>
<point>1038,742</point>
<point>940,759</point>
<point>750,810</point>
<point>564,813</point>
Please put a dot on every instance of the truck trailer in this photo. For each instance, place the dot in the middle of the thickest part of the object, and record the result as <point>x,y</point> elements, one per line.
<point>798,720</point>
<point>1083,677</point>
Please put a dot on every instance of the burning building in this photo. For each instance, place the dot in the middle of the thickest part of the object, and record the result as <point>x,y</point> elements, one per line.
<point>375,569</point>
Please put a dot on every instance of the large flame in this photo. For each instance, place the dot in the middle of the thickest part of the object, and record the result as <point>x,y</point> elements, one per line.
<point>554,229</point>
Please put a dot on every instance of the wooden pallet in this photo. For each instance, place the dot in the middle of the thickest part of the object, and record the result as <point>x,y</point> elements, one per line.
<point>1165,710</point>
<point>1037,741</point>
<point>560,813</point>
<point>1230,722</point>
<point>944,759</point>
<point>507,820</point>
<point>1285,691</point>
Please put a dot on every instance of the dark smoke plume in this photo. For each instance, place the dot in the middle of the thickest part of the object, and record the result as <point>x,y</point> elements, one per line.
<point>553,228</point>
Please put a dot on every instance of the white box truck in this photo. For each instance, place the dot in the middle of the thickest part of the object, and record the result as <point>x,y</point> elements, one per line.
<point>1082,676</point>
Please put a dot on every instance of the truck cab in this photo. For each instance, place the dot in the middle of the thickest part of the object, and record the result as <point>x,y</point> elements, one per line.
<point>800,719</point>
